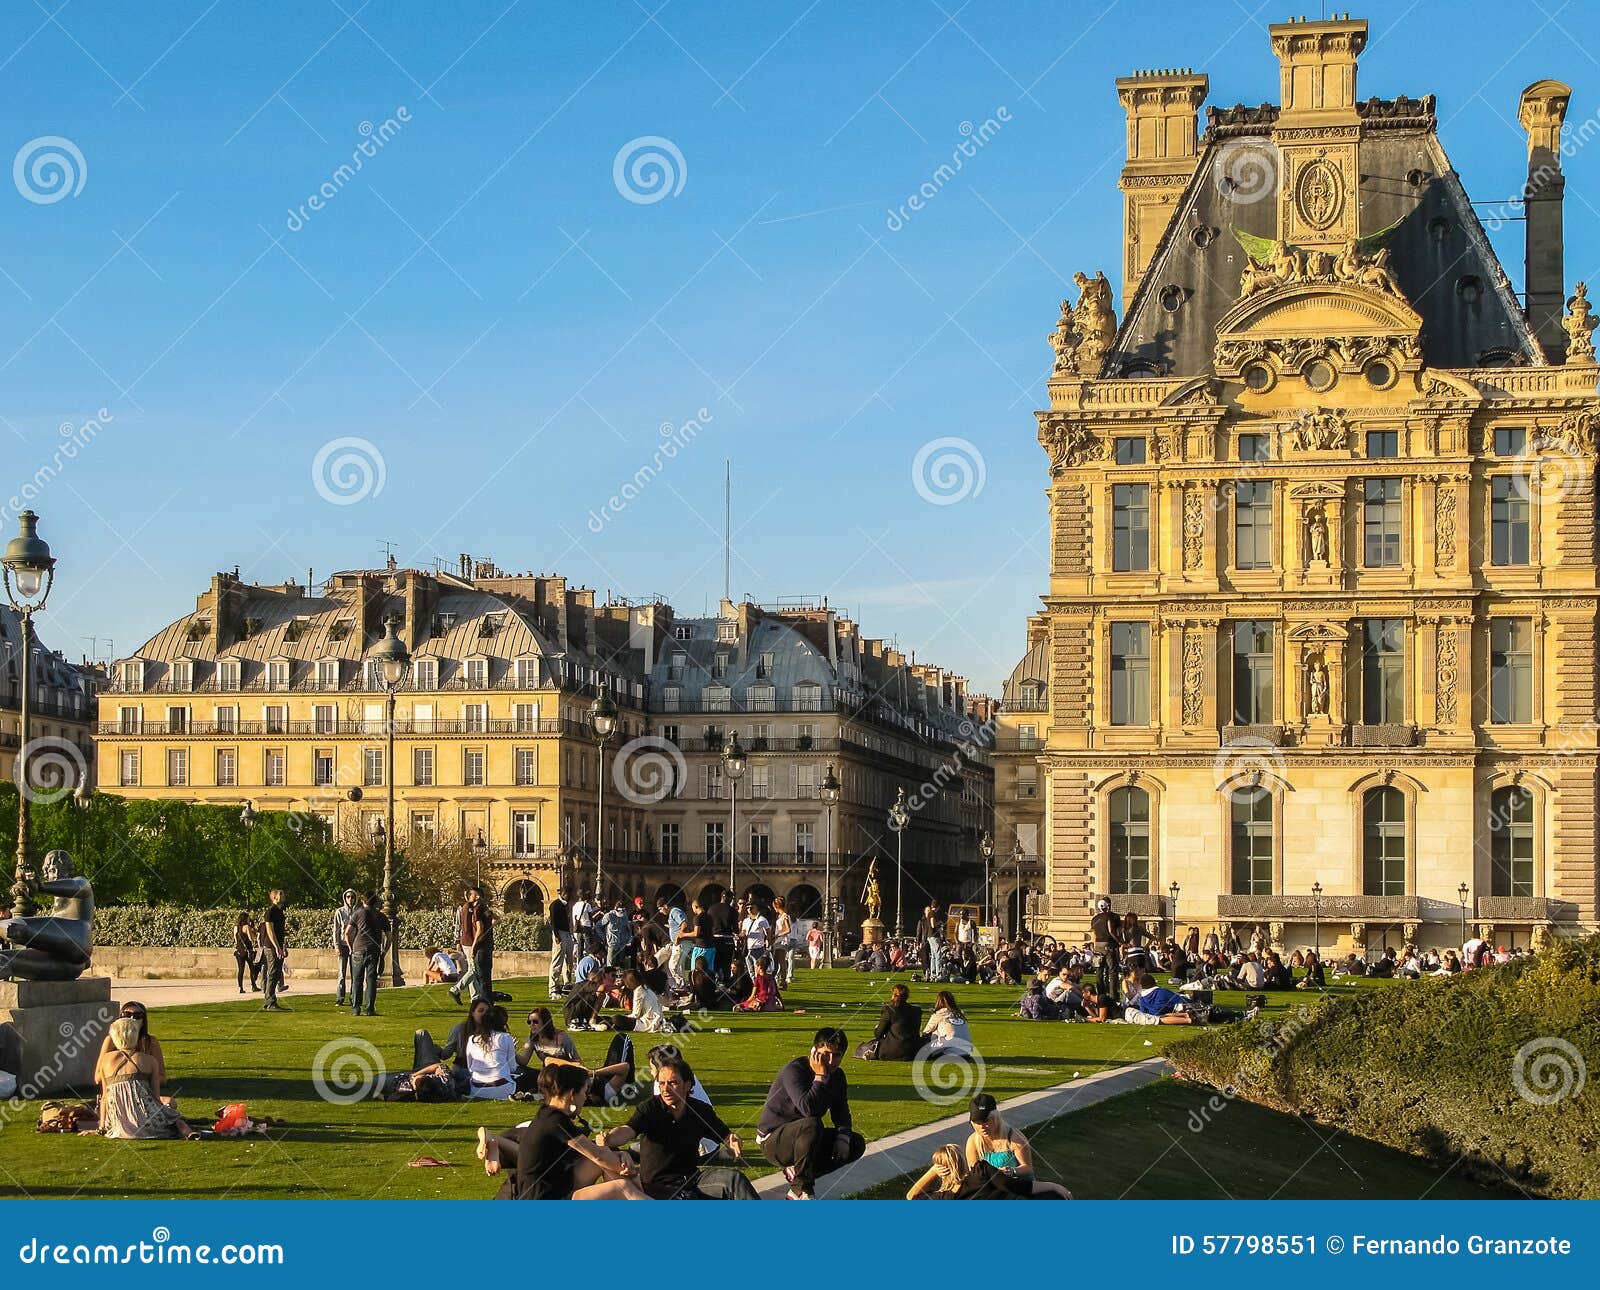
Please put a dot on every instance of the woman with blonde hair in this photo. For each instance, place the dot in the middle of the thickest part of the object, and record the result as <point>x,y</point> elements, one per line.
<point>1003,1159</point>
<point>944,1177</point>
<point>129,1075</point>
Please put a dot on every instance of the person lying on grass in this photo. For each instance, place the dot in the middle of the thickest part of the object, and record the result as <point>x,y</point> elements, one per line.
<point>553,1157</point>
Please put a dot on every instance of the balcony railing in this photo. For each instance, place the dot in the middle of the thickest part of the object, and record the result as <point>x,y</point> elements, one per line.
<point>11,701</point>
<point>374,729</point>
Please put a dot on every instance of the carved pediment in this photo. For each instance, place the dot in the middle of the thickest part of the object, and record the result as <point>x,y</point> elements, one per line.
<point>1320,492</point>
<point>1444,385</point>
<point>1318,632</point>
<point>1345,324</point>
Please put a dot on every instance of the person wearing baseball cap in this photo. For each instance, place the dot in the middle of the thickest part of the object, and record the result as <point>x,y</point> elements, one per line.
<point>1002,1158</point>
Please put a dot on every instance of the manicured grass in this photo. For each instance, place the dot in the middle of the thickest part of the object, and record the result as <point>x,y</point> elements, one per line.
<point>221,1053</point>
<point>1178,1141</point>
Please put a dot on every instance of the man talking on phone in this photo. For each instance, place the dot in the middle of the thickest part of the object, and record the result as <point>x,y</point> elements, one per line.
<point>791,1130</point>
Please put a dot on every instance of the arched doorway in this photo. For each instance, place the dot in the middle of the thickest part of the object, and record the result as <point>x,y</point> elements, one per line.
<point>805,901</point>
<point>672,894</point>
<point>522,896</point>
<point>763,894</point>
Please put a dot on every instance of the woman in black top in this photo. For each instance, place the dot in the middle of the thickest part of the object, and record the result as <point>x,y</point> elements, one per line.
<point>556,1159</point>
<point>245,953</point>
<point>898,1035</point>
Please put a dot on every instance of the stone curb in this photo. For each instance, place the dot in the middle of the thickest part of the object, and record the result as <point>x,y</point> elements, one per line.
<point>911,1150</point>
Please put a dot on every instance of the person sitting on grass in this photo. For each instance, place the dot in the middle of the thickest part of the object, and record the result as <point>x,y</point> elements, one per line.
<point>644,1012</point>
<point>449,1059</point>
<point>670,1129</point>
<point>554,1158</point>
<point>581,1008</point>
<point>791,1131</point>
<point>1277,976</point>
<point>1003,1157</point>
<point>130,1076</point>
<point>1096,1007</point>
<point>1449,965</point>
<point>898,1035</point>
<point>1315,978</point>
<point>491,1056</point>
<point>945,1175</point>
<point>442,969</point>
<point>1035,1004</point>
<point>763,995</point>
<point>947,1032</point>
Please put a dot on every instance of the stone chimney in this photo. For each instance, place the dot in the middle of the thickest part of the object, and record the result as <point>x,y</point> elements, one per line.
<point>1542,110</point>
<point>1162,149</point>
<point>1317,63</point>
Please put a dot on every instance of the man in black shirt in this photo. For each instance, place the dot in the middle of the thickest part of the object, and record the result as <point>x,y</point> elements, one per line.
<point>1106,929</point>
<point>368,930</point>
<point>561,946</point>
<point>669,1128</point>
<point>790,1130</point>
<point>555,1158</point>
<point>274,949</point>
<point>719,924</point>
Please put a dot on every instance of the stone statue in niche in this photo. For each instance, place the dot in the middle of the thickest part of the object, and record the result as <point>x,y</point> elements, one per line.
<point>1317,533</point>
<point>53,946</point>
<point>1317,687</point>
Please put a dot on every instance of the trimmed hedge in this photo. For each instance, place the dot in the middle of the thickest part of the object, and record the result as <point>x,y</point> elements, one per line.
<point>308,929</point>
<point>1494,1071</point>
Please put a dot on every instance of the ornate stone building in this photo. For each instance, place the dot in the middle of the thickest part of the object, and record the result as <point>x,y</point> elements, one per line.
<point>1319,648</point>
<point>61,711</point>
<point>270,694</point>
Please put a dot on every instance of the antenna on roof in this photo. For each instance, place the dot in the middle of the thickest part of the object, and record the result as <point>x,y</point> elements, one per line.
<point>388,552</point>
<point>727,529</point>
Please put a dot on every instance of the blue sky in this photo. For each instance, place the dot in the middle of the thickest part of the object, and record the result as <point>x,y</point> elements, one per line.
<point>483,305</point>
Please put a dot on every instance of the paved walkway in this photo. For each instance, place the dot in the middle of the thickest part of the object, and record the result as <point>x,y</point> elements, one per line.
<point>911,1151</point>
<point>170,992</point>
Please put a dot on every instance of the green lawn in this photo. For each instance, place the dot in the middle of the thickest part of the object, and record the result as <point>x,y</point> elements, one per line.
<point>1177,1141</point>
<point>235,1052</point>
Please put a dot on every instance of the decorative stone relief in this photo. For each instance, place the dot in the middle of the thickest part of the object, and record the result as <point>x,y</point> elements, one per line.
<point>1578,324</point>
<point>1444,524</point>
<point>1320,430</point>
<point>1194,660</point>
<point>1448,673</point>
<point>1194,528</point>
<point>1069,443</point>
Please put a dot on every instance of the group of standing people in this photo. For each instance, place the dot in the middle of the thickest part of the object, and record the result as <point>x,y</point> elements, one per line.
<point>262,950</point>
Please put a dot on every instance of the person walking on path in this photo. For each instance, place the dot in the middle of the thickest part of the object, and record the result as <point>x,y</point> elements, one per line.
<point>274,949</point>
<point>341,942</point>
<point>368,930</point>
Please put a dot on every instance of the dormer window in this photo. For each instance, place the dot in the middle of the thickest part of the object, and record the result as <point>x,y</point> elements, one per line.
<point>675,666</point>
<point>228,672</point>
<point>683,632</point>
<point>727,630</point>
<point>671,698</point>
<point>183,674</point>
<point>475,673</point>
<point>328,674</point>
<point>719,666</point>
<point>425,674</point>
<point>371,674</point>
<point>527,671</point>
<point>808,697</point>
<point>764,664</point>
<point>278,674</point>
<point>132,675</point>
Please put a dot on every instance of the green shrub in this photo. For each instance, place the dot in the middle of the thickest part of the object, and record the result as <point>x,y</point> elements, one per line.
<point>160,925</point>
<point>1491,1071</point>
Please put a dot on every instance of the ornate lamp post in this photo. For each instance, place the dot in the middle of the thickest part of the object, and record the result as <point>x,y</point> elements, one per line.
<point>1016,857</point>
<point>247,817</point>
<point>1316,919</point>
<point>603,717</point>
<point>82,803</point>
<point>830,798</point>
<point>1172,891</point>
<point>479,846</point>
<point>29,572</point>
<point>986,849</point>
<point>733,762</point>
<point>899,818</point>
<point>394,662</point>
<point>1461,892</point>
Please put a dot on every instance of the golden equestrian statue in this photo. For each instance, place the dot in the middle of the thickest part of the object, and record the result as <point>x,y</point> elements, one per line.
<point>871,897</point>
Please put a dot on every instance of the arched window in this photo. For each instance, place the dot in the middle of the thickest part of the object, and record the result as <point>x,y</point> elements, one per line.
<point>1252,842</point>
<point>1383,844</point>
<point>1511,842</point>
<point>1130,842</point>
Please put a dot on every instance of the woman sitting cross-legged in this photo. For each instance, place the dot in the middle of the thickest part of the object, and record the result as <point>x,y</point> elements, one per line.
<point>947,1030</point>
<point>763,991</point>
<point>491,1056</point>
<point>551,1155</point>
<point>129,1075</point>
<point>898,1036</point>
<point>1000,1160</point>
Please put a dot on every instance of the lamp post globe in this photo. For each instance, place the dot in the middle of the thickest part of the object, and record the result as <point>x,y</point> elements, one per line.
<point>603,717</point>
<point>733,764</point>
<point>394,662</point>
<point>29,572</point>
<point>986,850</point>
<point>899,819</point>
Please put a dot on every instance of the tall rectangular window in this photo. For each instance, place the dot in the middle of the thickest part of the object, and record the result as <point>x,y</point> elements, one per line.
<point>805,839</point>
<point>1130,527</point>
<point>524,832</point>
<point>128,768</point>
<point>477,673</point>
<point>1130,674</point>
<point>1510,671</point>
<point>227,768</point>
<point>177,767</point>
<point>472,767</point>
<point>322,767</point>
<point>372,767</point>
<point>1130,842</point>
<point>1380,517</point>
<point>527,767</point>
<point>1383,672</point>
<point>325,719</point>
<point>527,717</point>
<point>1509,523</point>
<point>272,762</point>
<point>1252,842</point>
<point>475,716</point>
<point>276,719</point>
<point>1252,673</point>
<point>1252,525</point>
<point>713,841</point>
<point>1511,842</point>
<point>227,718</point>
<point>1383,845</point>
<point>422,767</point>
<point>671,842</point>
<point>425,674</point>
<point>760,843</point>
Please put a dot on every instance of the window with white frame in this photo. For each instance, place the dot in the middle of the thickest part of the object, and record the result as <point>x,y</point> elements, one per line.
<point>717,698</point>
<point>272,764</point>
<point>129,720</point>
<point>183,674</point>
<point>472,767</point>
<point>805,838</point>
<point>177,720</point>
<point>177,767</point>
<point>475,717</point>
<point>671,698</point>
<point>328,674</point>
<point>760,780</point>
<point>422,767</point>
<point>322,771</point>
<point>527,718</point>
<point>760,842</point>
<point>278,674</point>
<point>527,764</point>
<point>762,698</point>
<point>671,841</point>
<point>275,719</point>
<point>325,718</point>
<point>372,767</point>
<point>808,697</point>
<point>476,672</point>
<point>227,767</point>
<point>226,717</point>
<point>524,832</point>
<point>425,674</point>
<point>422,823</point>
<point>527,673</point>
<point>133,675</point>
<point>128,768</point>
<point>228,674</point>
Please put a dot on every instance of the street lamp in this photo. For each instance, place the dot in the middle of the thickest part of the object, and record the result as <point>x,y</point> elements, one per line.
<point>1172,891</point>
<point>247,817</point>
<point>479,846</point>
<point>603,717</point>
<point>1316,919</point>
<point>29,572</point>
<point>899,818</point>
<point>1016,856</point>
<point>394,662</point>
<point>1461,891</point>
<point>830,797</point>
<point>82,803</point>
<point>733,762</point>
<point>986,846</point>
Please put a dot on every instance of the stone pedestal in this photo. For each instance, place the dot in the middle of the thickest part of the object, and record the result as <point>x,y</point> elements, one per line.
<point>51,1032</point>
<point>873,932</point>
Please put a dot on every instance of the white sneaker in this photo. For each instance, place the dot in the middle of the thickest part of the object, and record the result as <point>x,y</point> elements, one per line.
<point>795,1193</point>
